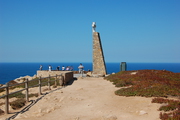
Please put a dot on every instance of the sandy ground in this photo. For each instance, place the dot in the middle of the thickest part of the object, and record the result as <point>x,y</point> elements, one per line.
<point>89,99</point>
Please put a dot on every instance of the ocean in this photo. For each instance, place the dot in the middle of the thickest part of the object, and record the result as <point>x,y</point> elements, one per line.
<point>11,71</point>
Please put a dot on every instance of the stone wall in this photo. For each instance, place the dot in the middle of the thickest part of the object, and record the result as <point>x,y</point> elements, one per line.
<point>67,75</point>
<point>99,67</point>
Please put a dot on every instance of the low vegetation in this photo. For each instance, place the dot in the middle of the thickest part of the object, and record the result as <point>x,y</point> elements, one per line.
<point>17,95</point>
<point>33,83</point>
<point>150,83</point>
<point>171,108</point>
<point>19,103</point>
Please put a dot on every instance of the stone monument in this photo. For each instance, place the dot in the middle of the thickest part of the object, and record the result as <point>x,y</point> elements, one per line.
<point>99,66</point>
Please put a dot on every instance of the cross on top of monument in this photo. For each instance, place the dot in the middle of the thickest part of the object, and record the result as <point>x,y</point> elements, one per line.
<point>94,26</point>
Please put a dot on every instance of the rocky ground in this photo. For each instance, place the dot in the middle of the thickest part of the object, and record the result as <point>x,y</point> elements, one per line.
<point>88,99</point>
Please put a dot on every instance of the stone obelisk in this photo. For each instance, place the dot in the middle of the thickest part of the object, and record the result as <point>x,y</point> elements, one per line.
<point>99,66</point>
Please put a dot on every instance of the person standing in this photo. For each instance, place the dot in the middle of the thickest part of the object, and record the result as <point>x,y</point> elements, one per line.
<point>67,68</point>
<point>50,67</point>
<point>41,67</point>
<point>81,67</point>
<point>58,68</point>
<point>63,68</point>
<point>71,68</point>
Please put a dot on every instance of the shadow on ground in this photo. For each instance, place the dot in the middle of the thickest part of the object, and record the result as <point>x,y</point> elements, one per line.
<point>71,81</point>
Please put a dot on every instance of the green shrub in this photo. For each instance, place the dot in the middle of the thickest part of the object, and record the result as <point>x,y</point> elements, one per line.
<point>21,95</point>
<point>2,90</point>
<point>33,95</point>
<point>33,83</point>
<point>19,103</point>
<point>17,95</point>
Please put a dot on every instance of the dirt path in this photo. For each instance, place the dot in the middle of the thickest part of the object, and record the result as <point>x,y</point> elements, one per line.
<point>91,99</point>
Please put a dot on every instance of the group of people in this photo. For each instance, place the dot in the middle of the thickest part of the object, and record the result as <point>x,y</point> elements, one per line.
<point>68,68</point>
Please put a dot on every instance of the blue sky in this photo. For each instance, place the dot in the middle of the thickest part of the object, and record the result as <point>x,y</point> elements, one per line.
<point>60,30</point>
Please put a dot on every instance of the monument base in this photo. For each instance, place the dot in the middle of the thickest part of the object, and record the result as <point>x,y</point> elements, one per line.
<point>98,75</point>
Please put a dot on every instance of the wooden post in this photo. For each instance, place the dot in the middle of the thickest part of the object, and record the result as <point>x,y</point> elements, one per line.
<point>49,83</point>
<point>40,85</point>
<point>56,80</point>
<point>61,81</point>
<point>27,90</point>
<point>7,99</point>
<point>81,73</point>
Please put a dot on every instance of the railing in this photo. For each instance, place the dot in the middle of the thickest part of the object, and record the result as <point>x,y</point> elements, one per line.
<point>26,83</point>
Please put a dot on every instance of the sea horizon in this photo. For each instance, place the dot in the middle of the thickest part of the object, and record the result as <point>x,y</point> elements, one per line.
<point>12,70</point>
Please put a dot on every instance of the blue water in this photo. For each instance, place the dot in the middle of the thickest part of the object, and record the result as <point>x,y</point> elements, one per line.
<point>11,71</point>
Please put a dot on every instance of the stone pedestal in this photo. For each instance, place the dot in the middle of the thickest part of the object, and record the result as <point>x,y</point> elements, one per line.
<point>67,75</point>
<point>99,67</point>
